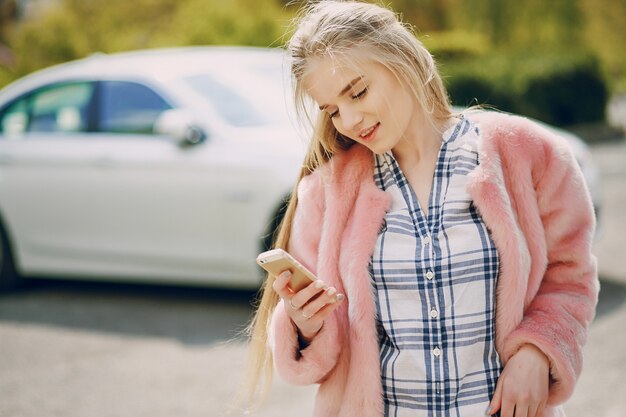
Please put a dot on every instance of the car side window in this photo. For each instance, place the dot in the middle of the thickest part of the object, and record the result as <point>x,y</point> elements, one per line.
<point>56,108</point>
<point>14,119</point>
<point>128,107</point>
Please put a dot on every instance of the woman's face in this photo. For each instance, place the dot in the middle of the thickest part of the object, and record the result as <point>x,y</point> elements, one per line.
<point>366,102</point>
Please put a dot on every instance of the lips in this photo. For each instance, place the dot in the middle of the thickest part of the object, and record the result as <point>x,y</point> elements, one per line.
<point>369,133</point>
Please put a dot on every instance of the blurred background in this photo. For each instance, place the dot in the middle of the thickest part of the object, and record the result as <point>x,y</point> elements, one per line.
<point>559,61</point>
<point>127,262</point>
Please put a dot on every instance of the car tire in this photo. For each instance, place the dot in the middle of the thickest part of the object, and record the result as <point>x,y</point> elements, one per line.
<point>9,279</point>
<point>272,231</point>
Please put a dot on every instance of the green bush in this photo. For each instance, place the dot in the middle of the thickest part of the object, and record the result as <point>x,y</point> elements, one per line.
<point>234,22</point>
<point>467,90</point>
<point>6,76</point>
<point>72,29</point>
<point>455,45</point>
<point>562,89</point>
<point>567,98</point>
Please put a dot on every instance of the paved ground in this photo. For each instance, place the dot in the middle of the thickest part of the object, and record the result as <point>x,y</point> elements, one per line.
<point>120,351</point>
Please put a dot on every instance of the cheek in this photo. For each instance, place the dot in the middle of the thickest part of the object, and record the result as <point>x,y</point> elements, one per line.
<point>338,126</point>
<point>385,106</point>
<point>405,108</point>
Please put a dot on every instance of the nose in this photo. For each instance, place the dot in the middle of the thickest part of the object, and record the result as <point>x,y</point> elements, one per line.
<point>351,118</point>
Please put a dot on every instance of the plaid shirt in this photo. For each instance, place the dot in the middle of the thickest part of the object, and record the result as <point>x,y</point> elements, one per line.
<point>434,278</point>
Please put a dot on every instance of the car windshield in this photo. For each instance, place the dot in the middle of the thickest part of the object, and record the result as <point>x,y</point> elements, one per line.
<point>243,98</point>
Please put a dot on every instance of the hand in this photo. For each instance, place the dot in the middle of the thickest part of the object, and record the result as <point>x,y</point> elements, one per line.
<point>522,389</point>
<point>309,307</point>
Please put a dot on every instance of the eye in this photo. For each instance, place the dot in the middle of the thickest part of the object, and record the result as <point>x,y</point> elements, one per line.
<point>334,114</point>
<point>359,94</point>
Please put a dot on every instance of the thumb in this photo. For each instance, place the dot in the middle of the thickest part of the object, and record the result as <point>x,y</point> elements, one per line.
<point>496,401</point>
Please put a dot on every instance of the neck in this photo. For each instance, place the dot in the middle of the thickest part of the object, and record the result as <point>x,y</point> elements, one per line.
<point>422,144</point>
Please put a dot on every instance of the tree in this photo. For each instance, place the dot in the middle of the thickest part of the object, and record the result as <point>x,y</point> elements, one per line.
<point>76,28</point>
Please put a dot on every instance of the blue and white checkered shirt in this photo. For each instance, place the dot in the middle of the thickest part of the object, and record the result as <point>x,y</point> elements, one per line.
<point>434,278</point>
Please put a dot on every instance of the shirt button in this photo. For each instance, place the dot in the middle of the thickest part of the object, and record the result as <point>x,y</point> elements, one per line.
<point>434,313</point>
<point>436,351</point>
<point>426,240</point>
<point>430,275</point>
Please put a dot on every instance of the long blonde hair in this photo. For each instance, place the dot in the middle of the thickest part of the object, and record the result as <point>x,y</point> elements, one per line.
<point>340,28</point>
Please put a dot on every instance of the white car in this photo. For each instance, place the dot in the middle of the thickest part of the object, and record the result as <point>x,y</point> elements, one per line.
<point>162,165</point>
<point>583,157</point>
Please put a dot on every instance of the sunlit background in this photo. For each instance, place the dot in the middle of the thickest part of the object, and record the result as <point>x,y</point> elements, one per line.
<point>86,346</point>
<point>520,56</point>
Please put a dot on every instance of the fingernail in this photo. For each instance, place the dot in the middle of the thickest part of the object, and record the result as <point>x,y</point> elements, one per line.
<point>319,284</point>
<point>340,297</point>
<point>287,273</point>
<point>488,411</point>
<point>331,291</point>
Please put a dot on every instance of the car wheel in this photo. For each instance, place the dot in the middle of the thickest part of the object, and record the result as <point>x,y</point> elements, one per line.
<point>8,276</point>
<point>270,234</point>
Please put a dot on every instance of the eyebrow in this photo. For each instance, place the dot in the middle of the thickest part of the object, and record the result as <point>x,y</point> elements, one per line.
<point>345,89</point>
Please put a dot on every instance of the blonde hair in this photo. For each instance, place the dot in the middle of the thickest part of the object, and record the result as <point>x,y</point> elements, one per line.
<point>342,29</point>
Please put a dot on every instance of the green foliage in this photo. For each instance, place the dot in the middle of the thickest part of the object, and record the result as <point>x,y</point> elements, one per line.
<point>604,33</point>
<point>578,95</point>
<point>520,24</point>
<point>468,90</point>
<point>562,89</point>
<point>520,56</point>
<point>76,28</point>
<point>455,44</point>
<point>235,22</point>
<point>426,15</point>
<point>6,76</point>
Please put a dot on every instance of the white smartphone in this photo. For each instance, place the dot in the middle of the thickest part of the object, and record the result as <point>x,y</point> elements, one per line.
<point>276,261</point>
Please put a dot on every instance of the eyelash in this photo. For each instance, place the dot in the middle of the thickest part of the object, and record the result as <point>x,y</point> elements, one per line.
<point>357,96</point>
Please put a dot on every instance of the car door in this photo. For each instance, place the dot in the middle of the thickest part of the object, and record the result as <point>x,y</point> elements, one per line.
<point>156,203</point>
<point>167,211</point>
<point>47,176</point>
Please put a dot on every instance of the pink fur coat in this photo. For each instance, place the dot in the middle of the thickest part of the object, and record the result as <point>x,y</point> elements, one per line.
<point>532,196</point>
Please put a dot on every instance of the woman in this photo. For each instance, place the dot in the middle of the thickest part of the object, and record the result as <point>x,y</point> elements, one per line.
<point>453,251</point>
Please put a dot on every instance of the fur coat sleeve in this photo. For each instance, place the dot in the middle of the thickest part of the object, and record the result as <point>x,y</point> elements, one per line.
<point>312,363</point>
<point>546,230</point>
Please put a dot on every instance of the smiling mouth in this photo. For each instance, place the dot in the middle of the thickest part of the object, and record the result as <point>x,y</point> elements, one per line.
<point>368,134</point>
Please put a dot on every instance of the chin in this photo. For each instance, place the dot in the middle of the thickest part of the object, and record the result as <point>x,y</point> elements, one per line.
<point>376,148</point>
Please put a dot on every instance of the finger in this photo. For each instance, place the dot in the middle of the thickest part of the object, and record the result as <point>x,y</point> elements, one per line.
<point>306,294</point>
<point>539,410</point>
<point>280,284</point>
<point>326,297</point>
<point>496,400</point>
<point>521,410</point>
<point>326,311</point>
<point>310,326</point>
<point>507,407</point>
<point>316,319</point>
